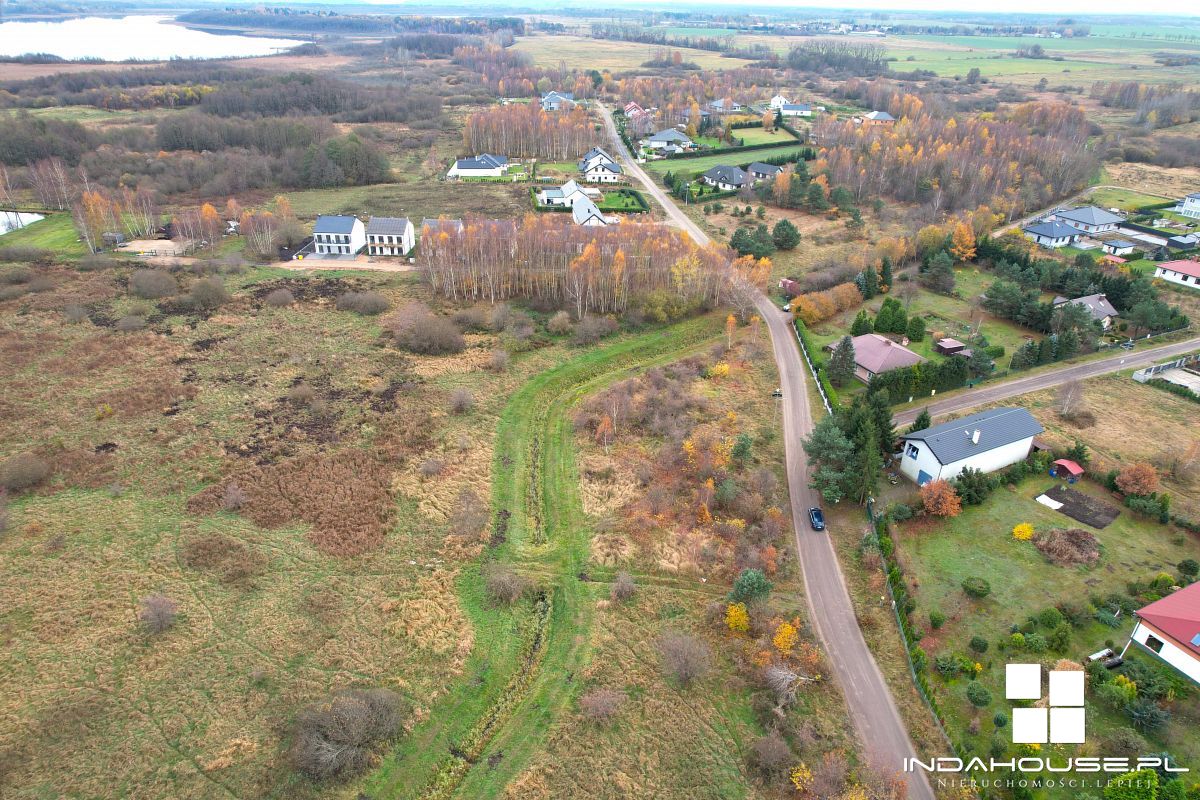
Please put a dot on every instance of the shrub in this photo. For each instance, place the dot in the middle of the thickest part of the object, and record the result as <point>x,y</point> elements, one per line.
<point>234,498</point>
<point>978,644</point>
<point>1139,479</point>
<point>1050,618</point>
<point>978,695</point>
<point>750,586</point>
<point>130,323</point>
<point>902,512</point>
<point>431,467</point>
<point>737,619</point>
<point>940,499</point>
<point>601,704</point>
<point>503,585</point>
<point>976,587</point>
<point>1022,532</point>
<point>936,619</point>
<point>23,471</point>
<point>15,275</point>
<point>365,303</point>
<point>623,587</point>
<point>1147,716</point>
<point>27,253</point>
<point>158,613</point>
<point>280,298</point>
<point>1189,567</point>
<point>559,324</point>
<point>469,515</point>
<point>301,394</point>
<point>419,330</point>
<point>340,738</point>
<point>208,294</point>
<point>499,361</point>
<point>1000,719</point>
<point>153,284</point>
<point>74,313</point>
<point>684,657</point>
<point>771,756</point>
<point>592,329</point>
<point>461,401</point>
<point>1036,643</point>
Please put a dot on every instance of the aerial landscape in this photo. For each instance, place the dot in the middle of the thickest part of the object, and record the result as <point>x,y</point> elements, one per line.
<point>622,400</point>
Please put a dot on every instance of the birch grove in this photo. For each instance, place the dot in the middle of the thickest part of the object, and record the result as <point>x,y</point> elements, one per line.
<point>524,130</point>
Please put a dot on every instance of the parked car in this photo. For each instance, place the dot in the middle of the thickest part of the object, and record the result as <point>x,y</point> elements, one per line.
<point>786,307</point>
<point>816,519</point>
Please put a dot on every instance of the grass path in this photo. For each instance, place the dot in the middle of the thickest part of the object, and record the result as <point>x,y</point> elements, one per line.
<point>485,728</point>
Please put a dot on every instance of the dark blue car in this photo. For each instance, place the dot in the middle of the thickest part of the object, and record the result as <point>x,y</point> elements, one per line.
<point>817,519</point>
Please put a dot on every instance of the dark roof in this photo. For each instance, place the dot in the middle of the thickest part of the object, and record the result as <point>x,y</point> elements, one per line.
<point>482,161</point>
<point>330,224</point>
<point>669,135</point>
<point>952,441</point>
<point>764,169</point>
<point>387,226</point>
<point>1090,215</point>
<point>882,116</point>
<point>1052,230</point>
<point>724,173</point>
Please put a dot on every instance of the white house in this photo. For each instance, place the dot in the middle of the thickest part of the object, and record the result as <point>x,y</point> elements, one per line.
<point>564,195</point>
<point>1052,234</point>
<point>670,137</point>
<point>986,441</point>
<point>796,110</point>
<point>555,101</point>
<point>1117,247</point>
<point>584,212</point>
<point>1185,273</point>
<point>338,235</point>
<point>778,102</point>
<point>1189,206</point>
<point>1088,219</point>
<point>481,166</point>
<point>1169,630</point>
<point>598,166</point>
<point>761,172</point>
<point>726,178</point>
<point>725,106</point>
<point>390,236</point>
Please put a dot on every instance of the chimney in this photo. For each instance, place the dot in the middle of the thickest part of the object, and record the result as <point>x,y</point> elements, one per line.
<point>975,437</point>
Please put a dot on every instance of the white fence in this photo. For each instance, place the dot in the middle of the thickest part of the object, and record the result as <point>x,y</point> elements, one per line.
<point>1146,373</point>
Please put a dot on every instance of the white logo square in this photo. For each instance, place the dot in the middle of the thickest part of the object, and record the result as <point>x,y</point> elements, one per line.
<point>1029,725</point>
<point>1023,682</point>
<point>1066,688</point>
<point>1066,725</point>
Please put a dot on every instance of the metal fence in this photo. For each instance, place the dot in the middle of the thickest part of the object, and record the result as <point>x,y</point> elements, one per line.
<point>813,369</point>
<point>1146,373</point>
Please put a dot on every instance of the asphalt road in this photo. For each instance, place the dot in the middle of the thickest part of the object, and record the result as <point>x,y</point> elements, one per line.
<point>1002,391</point>
<point>872,707</point>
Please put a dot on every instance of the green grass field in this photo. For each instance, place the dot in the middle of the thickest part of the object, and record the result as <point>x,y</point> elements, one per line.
<point>55,233</point>
<point>702,163</point>
<point>587,53</point>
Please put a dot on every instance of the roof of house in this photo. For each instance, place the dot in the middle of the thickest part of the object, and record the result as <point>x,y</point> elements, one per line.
<point>1052,230</point>
<point>388,226</point>
<point>1070,466</point>
<point>764,169</point>
<point>723,173</point>
<point>1119,243</point>
<point>1114,259</point>
<point>1192,196</point>
<point>566,190</point>
<point>482,161</point>
<point>720,104</point>
<point>1097,304</point>
<point>437,224</point>
<point>796,107</point>
<point>584,209</point>
<point>1178,616</point>
<point>597,152</point>
<point>1090,215</point>
<point>331,224</point>
<point>607,166</point>
<point>953,441</point>
<point>1184,266</point>
<point>877,354</point>
<point>560,95</point>
<point>948,342</point>
<point>882,116</point>
<point>669,135</point>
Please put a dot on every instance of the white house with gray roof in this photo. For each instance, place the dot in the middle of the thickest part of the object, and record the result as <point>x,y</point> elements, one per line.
<point>1088,219</point>
<point>986,441</point>
<point>338,236</point>
<point>1097,305</point>
<point>726,177</point>
<point>668,138</point>
<point>1052,234</point>
<point>564,195</point>
<point>584,212</point>
<point>485,165</point>
<point>1189,206</point>
<point>390,236</point>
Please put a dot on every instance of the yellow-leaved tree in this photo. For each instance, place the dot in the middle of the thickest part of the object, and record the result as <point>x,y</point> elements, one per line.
<point>737,618</point>
<point>785,638</point>
<point>962,242</point>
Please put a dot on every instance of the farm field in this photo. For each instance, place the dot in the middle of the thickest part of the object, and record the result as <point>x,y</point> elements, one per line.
<point>586,53</point>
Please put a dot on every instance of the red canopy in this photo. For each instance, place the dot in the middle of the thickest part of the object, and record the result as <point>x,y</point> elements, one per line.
<point>1070,466</point>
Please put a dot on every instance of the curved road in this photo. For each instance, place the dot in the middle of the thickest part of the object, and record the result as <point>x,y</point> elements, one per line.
<point>871,705</point>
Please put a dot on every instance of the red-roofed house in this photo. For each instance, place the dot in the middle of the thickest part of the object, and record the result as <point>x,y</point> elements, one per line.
<point>1170,630</point>
<point>875,354</point>
<point>1185,273</point>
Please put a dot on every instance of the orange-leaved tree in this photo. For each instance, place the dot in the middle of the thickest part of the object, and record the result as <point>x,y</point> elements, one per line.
<point>940,499</point>
<point>1139,478</point>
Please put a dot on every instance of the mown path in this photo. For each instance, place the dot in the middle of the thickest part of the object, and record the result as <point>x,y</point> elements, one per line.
<point>483,731</point>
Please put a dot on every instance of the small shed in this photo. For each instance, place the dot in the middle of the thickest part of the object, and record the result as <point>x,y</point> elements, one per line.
<point>1066,468</point>
<point>948,347</point>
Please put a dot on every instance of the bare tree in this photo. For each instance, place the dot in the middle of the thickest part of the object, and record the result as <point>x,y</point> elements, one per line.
<point>461,401</point>
<point>602,704</point>
<point>684,657</point>
<point>502,584</point>
<point>234,497</point>
<point>623,587</point>
<point>339,739</point>
<point>158,613</point>
<point>772,756</point>
<point>1070,399</point>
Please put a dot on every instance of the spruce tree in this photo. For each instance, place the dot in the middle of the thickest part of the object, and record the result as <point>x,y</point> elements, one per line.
<point>916,329</point>
<point>922,421</point>
<point>862,324</point>
<point>841,364</point>
<point>870,282</point>
<point>881,412</point>
<point>885,272</point>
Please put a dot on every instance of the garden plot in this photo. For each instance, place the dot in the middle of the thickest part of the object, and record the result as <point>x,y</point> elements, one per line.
<point>1081,507</point>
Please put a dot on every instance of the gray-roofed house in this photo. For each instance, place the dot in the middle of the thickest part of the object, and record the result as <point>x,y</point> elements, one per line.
<point>338,236</point>
<point>598,166</point>
<point>564,195</point>
<point>1189,206</point>
<point>986,441</point>
<point>726,178</point>
<point>555,101</point>
<point>1097,305</point>
<point>484,165</point>
<point>875,354</point>
<point>1118,247</point>
<point>670,137</point>
<point>584,212</point>
<point>875,118</point>
<point>390,236</point>
<point>796,110</point>
<point>1088,219</point>
<point>760,171</point>
<point>1052,234</point>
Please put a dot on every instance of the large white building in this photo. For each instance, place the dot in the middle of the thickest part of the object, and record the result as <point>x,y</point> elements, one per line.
<point>1184,273</point>
<point>1169,629</point>
<point>1052,234</point>
<point>338,236</point>
<point>986,441</point>
<point>485,165</point>
<point>1189,206</point>
<point>390,236</point>
<point>1088,219</point>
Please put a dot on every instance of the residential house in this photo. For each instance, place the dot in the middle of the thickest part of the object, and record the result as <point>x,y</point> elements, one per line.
<point>685,116</point>
<point>726,178</point>
<point>986,441</point>
<point>390,236</point>
<point>1117,247</point>
<point>481,166</point>
<point>556,101</point>
<point>1088,219</point>
<point>1188,241</point>
<point>1185,273</point>
<point>875,118</point>
<point>1097,305</point>
<point>584,212</point>
<point>668,138</point>
<point>875,354</point>
<point>598,166</point>
<point>726,105</point>
<point>432,227</point>
<point>1052,234</point>
<point>790,287</point>
<point>632,108</point>
<point>796,110</point>
<point>1189,206</point>
<point>778,102</point>
<point>564,195</point>
<point>1169,630</point>
<point>760,171</point>
<point>338,235</point>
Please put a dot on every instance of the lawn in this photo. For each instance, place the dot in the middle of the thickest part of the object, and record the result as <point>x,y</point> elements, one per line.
<point>628,200</point>
<point>418,199</point>
<point>1124,199</point>
<point>702,163</point>
<point>762,136</point>
<point>55,233</point>
<point>585,53</point>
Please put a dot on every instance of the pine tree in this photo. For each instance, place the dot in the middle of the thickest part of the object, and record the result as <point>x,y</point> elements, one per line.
<point>785,235</point>
<point>815,199</point>
<point>940,275</point>
<point>1068,344</point>
<point>885,273</point>
<point>841,364</point>
<point>870,282</point>
<point>864,479</point>
<point>862,324</point>
<point>923,421</point>
<point>881,412</point>
<point>831,453</point>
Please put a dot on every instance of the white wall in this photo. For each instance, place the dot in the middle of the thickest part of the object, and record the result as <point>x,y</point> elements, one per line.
<point>357,236</point>
<point>1176,277</point>
<point>988,461</point>
<point>925,460</point>
<point>1170,653</point>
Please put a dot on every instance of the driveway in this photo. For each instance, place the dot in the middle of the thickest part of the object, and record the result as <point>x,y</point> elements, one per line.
<point>872,708</point>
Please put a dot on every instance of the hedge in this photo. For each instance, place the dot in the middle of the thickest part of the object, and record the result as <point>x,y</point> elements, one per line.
<point>745,148</point>
<point>1174,388</point>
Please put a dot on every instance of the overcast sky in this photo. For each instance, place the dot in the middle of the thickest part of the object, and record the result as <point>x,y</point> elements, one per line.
<point>1054,7</point>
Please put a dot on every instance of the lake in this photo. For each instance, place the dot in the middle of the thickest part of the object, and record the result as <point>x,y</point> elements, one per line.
<point>142,37</point>
<point>11,220</point>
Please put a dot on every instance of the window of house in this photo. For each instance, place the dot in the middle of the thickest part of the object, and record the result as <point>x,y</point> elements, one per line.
<point>913,451</point>
<point>1154,643</point>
